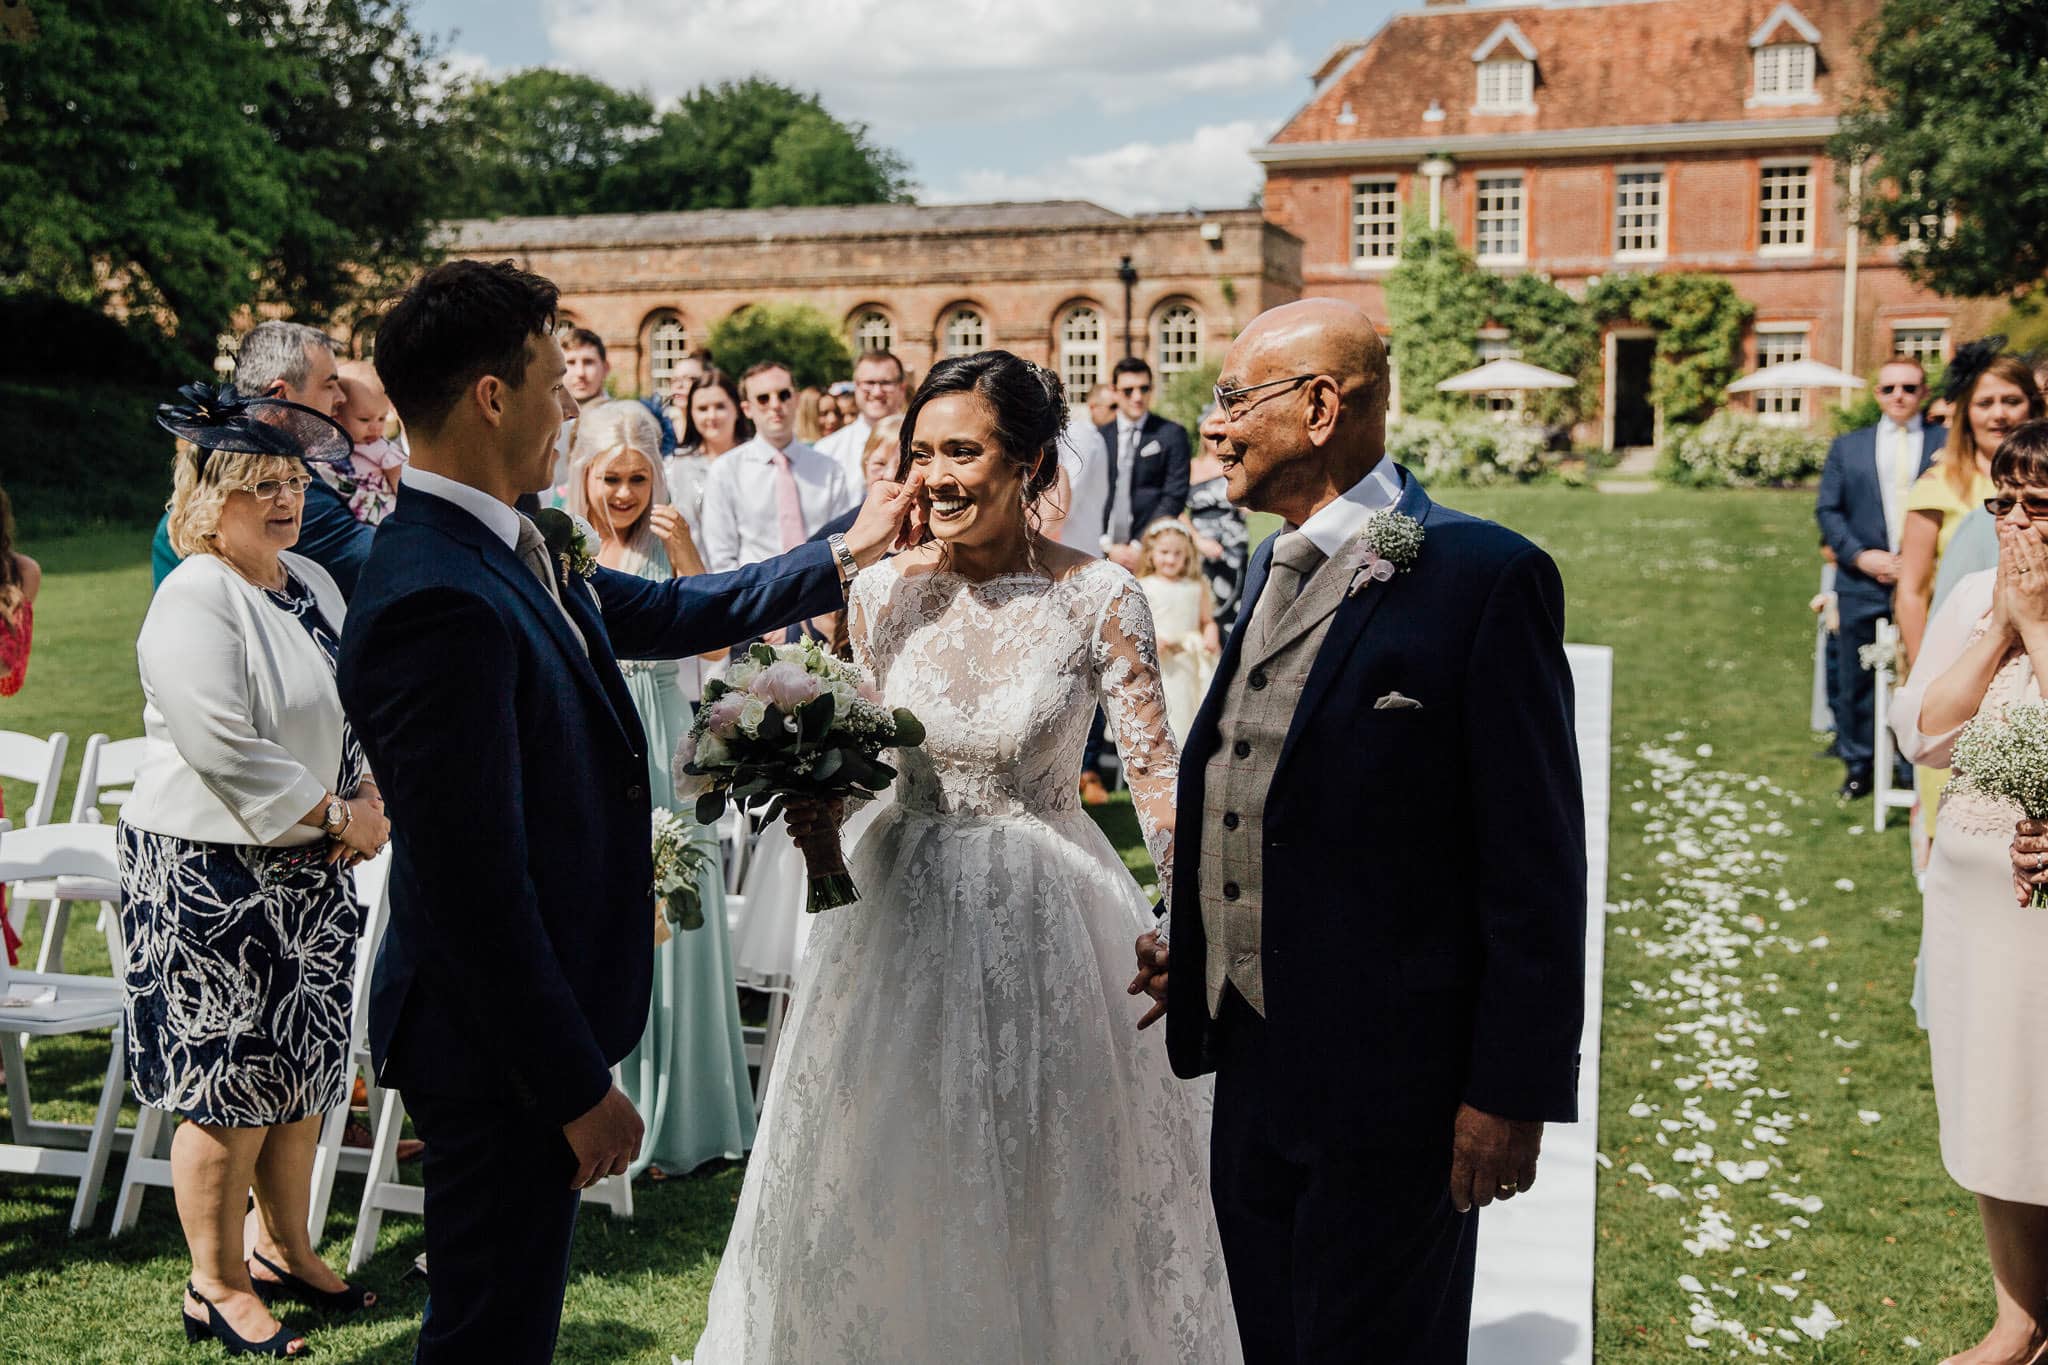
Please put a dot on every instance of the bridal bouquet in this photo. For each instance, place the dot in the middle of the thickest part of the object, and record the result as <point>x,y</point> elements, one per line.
<point>679,866</point>
<point>2007,758</point>
<point>792,721</point>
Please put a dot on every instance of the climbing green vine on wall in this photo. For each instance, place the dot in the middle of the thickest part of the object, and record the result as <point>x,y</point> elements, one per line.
<point>1699,319</point>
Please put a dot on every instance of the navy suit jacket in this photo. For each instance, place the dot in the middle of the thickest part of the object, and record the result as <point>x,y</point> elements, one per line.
<point>519,956</point>
<point>1850,509</point>
<point>1159,481</point>
<point>1424,902</point>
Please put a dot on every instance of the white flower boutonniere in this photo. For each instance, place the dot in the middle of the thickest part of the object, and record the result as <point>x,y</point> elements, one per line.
<point>569,540</point>
<point>1393,542</point>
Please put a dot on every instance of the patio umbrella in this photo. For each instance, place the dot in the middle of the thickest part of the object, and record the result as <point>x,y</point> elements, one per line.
<point>1506,376</point>
<point>1796,374</point>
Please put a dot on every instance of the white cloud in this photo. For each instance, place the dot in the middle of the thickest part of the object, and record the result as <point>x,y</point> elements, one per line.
<point>899,64</point>
<point>1211,169</point>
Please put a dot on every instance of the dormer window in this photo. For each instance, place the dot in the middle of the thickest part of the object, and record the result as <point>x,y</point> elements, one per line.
<point>1784,55</point>
<point>1506,64</point>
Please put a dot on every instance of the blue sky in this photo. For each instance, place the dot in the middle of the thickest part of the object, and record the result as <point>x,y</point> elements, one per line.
<point>1144,104</point>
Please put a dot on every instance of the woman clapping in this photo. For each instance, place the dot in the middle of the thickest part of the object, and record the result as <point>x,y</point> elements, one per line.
<point>1986,959</point>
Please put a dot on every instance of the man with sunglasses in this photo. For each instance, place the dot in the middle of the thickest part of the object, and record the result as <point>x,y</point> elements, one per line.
<point>771,494</point>
<point>1862,513</point>
<point>1149,458</point>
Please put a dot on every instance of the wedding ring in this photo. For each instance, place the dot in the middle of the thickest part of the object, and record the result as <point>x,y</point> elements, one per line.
<point>1509,1188</point>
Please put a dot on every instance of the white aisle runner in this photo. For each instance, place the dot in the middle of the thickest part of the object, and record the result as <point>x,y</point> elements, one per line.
<point>1533,1304</point>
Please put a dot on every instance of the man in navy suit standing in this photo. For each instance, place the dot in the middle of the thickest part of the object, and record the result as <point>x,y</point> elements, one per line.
<point>1379,908</point>
<point>479,669</point>
<point>1148,463</point>
<point>1862,511</point>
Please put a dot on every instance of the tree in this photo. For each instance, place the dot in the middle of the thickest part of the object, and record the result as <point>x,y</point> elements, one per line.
<point>753,144</point>
<point>1550,328</point>
<point>1949,128</point>
<point>176,162</point>
<point>1437,300</point>
<point>800,337</point>
<point>543,141</point>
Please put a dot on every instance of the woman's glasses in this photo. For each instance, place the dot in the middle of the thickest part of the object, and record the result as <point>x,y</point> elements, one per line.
<point>269,490</point>
<point>2001,506</point>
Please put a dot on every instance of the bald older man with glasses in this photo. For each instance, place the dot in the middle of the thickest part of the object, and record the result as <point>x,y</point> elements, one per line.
<point>1390,1019</point>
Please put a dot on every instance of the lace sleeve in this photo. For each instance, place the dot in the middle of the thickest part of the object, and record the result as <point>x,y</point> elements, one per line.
<point>1127,672</point>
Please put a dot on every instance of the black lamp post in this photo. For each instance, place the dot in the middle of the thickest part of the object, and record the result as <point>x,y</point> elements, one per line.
<point>1127,275</point>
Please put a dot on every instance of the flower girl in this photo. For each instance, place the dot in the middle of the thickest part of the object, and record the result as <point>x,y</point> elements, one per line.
<point>1170,572</point>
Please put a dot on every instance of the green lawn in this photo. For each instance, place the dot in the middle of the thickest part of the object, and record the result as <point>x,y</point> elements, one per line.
<point>1756,973</point>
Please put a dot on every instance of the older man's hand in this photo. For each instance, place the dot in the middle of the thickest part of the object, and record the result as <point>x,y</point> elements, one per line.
<point>1151,977</point>
<point>1491,1157</point>
<point>2029,859</point>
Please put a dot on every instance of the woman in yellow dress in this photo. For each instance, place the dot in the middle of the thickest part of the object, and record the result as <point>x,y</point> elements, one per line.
<point>1992,393</point>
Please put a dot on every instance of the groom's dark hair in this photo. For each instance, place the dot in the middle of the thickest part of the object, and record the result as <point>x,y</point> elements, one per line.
<point>459,322</point>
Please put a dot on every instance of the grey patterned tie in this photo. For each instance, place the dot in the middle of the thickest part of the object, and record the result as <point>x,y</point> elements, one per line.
<point>532,550</point>
<point>1120,527</point>
<point>1295,559</point>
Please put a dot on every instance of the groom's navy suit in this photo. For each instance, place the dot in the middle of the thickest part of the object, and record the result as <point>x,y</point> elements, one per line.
<point>1422,942</point>
<point>518,964</point>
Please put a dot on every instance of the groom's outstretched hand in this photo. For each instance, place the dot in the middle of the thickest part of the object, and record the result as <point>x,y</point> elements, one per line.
<point>605,1139</point>
<point>891,518</point>
<point>1151,977</point>
<point>1491,1157</point>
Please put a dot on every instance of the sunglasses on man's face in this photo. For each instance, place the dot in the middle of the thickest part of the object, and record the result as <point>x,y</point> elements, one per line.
<point>1889,389</point>
<point>1134,390</point>
<point>768,396</point>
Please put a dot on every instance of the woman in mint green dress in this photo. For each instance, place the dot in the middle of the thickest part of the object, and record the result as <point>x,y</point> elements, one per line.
<point>688,1076</point>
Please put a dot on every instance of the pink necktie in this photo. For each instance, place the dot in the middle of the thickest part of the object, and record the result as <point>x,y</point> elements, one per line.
<point>789,508</point>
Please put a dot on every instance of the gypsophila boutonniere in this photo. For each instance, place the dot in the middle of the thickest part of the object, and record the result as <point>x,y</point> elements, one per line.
<point>1393,542</point>
<point>1880,655</point>
<point>568,541</point>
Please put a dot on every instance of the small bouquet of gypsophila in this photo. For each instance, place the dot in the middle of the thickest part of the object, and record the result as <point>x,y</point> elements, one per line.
<point>680,863</point>
<point>1880,656</point>
<point>792,721</point>
<point>2006,758</point>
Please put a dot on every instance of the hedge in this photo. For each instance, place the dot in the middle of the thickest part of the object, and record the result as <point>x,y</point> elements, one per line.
<point>82,455</point>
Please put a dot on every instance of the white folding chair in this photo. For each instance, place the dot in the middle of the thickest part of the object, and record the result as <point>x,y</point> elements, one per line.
<point>42,1004</point>
<point>1885,798</point>
<point>106,774</point>
<point>24,758</point>
<point>372,880</point>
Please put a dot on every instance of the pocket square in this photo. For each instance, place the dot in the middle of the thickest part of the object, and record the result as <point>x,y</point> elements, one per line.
<point>1151,448</point>
<point>1394,701</point>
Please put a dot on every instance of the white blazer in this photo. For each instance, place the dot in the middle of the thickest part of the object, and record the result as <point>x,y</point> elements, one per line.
<point>241,706</point>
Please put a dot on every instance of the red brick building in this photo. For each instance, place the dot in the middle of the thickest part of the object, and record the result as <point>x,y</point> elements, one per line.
<point>1040,279</point>
<point>1579,138</point>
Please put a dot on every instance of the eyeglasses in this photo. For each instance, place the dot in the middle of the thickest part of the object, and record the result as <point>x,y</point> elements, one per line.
<point>2001,506</point>
<point>878,383</point>
<point>267,490</point>
<point>1889,389</point>
<point>1231,400</point>
<point>1133,390</point>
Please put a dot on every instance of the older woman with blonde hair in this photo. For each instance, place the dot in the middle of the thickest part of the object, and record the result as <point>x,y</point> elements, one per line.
<point>688,1076</point>
<point>236,900</point>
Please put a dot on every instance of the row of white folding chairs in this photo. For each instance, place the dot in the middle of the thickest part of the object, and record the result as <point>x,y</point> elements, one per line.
<point>106,776</point>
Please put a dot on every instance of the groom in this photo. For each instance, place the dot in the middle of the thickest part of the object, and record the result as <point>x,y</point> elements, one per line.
<point>1379,903</point>
<point>479,670</point>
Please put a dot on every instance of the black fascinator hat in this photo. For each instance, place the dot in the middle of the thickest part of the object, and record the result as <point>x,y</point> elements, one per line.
<point>1970,361</point>
<point>220,419</point>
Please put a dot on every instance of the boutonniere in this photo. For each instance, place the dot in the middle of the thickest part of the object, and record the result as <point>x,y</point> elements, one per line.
<point>568,540</point>
<point>1393,542</point>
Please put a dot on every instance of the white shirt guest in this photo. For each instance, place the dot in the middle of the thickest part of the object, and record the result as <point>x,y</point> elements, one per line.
<point>744,500</point>
<point>1084,460</point>
<point>1898,465</point>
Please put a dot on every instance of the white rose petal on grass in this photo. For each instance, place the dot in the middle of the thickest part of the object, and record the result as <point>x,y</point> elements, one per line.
<point>1869,1116</point>
<point>1665,1192</point>
<point>1691,1284</point>
<point>1818,1323</point>
<point>1844,884</point>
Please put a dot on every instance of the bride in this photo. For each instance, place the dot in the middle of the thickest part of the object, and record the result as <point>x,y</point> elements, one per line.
<point>968,1151</point>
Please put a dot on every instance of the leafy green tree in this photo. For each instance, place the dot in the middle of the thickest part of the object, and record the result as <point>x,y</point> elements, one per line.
<point>1437,300</point>
<point>1550,328</point>
<point>1948,125</point>
<point>543,141</point>
<point>753,144</point>
<point>176,162</point>
<point>799,336</point>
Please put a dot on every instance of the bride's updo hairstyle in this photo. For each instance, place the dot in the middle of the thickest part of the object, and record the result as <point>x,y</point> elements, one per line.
<point>1027,401</point>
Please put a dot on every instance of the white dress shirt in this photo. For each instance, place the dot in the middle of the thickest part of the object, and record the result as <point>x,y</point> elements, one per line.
<point>1329,529</point>
<point>742,501</point>
<point>1898,462</point>
<point>847,445</point>
<point>1085,459</point>
<point>240,707</point>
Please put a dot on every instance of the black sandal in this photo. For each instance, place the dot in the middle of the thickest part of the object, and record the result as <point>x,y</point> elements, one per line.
<point>222,1331</point>
<point>347,1299</point>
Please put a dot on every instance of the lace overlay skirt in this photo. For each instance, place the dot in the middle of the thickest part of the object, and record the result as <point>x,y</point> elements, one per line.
<point>968,1152</point>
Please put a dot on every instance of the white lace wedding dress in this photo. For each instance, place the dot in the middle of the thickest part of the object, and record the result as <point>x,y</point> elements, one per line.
<point>968,1153</point>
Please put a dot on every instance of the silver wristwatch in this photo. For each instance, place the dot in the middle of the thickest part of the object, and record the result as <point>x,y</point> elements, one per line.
<point>338,817</point>
<point>843,557</point>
